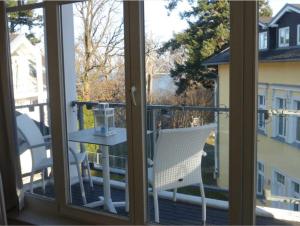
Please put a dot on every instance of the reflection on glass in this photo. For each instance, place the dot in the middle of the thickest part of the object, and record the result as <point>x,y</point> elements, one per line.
<point>31,100</point>
<point>187,110</point>
<point>278,155</point>
<point>95,105</point>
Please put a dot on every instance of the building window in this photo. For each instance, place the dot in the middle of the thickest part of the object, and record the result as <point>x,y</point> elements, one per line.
<point>260,178</point>
<point>261,116</point>
<point>295,194</point>
<point>298,34</point>
<point>280,178</point>
<point>284,36</point>
<point>263,40</point>
<point>296,188</point>
<point>281,122</point>
<point>298,122</point>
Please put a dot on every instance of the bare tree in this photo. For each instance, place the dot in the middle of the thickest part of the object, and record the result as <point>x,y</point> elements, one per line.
<point>155,62</point>
<point>100,43</point>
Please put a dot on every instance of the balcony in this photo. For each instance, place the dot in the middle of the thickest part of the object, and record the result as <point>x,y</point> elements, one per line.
<point>187,208</point>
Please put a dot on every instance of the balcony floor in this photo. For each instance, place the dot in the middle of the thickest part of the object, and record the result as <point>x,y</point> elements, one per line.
<point>171,213</point>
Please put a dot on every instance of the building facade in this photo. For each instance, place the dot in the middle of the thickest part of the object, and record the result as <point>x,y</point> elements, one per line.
<point>278,141</point>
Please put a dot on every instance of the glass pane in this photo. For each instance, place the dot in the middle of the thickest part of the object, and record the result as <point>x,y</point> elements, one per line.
<point>30,87</point>
<point>93,40</point>
<point>187,111</point>
<point>278,146</point>
<point>12,3</point>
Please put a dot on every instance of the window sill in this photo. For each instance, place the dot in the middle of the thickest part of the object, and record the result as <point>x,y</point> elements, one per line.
<point>39,211</point>
<point>284,47</point>
<point>281,139</point>
<point>34,217</point>
<point>261,132</point>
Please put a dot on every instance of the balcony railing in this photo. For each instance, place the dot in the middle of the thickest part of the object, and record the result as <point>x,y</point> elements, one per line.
<point>158,116</point>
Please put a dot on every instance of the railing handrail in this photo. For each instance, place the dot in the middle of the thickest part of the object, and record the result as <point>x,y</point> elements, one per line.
<point>156,106</point>
<point>31,105</point>
<point>172,107</point>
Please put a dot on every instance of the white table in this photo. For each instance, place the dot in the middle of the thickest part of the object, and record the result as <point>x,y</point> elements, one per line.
<point>87,136</point>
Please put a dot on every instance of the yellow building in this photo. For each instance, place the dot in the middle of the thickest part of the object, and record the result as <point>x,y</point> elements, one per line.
<point>278,141</point>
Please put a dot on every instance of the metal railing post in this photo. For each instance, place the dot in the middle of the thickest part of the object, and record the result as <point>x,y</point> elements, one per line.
<point>154,129</point>
<point>80,117</point>
<point>42,119</point>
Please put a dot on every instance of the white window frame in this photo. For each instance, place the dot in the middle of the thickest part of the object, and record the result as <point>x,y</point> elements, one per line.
<point>277,117</point>
<point>263,40</point>
<point>298,34</point>
<point>286,32</point>
<point>260,172</point>
<point>295,118</point>
<point>276,171</point>
<point>243,68</point>
<point>261,106</point>
<point>295,194</point>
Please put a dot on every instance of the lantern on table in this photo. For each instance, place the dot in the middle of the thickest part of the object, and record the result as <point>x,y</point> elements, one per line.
<point>104,118</point>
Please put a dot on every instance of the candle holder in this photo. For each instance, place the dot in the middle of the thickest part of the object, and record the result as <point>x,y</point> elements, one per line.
<point>104,120</point>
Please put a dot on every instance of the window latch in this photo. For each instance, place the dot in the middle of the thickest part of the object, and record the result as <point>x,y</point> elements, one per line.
<point>133,91</point>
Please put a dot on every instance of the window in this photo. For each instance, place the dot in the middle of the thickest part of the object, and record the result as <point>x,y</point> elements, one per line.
<point>295,194</point>
<point>263,40</point>
<point>298,34</point>
<point>260,178</point>
<point>284,36</point>
<point>296,187</point>
<point>281,126</point>
<point>261,115</point>
<point>297,123</point>
<point>280,178</point>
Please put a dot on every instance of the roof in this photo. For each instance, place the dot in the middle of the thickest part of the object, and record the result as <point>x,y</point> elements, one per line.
<point>287,8</point>
<point>296,5</point>
<point>271,55</point>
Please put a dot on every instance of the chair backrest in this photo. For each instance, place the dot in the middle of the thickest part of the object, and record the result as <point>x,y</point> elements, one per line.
<point>178,155</point>
<point>33,136</point>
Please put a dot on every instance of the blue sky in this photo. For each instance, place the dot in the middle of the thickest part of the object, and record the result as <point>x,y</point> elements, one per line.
<point>162,26</point>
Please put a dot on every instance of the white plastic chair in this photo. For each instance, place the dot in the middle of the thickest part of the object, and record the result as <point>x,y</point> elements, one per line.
<point>41,157</point>
<point>177,162</point>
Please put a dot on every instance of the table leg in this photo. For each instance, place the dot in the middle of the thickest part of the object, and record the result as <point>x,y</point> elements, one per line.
<point>108,205</point>
<point>106,200</point>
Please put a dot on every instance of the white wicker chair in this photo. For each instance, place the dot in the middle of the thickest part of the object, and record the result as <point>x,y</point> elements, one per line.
<point>41,157</point>
<point>177,162</point>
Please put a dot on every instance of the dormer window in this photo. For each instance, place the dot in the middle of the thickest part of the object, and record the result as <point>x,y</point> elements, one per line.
<point>284,37</point>
<point>263,40</point>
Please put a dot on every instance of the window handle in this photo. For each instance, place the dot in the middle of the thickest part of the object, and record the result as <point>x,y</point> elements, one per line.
<point>133,90</point>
